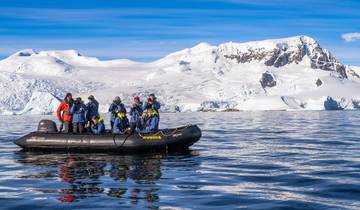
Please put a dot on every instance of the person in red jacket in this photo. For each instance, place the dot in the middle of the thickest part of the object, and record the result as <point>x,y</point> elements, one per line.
<point>63,113</point>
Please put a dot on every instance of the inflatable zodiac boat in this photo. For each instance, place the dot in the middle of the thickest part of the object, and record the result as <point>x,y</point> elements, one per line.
<point>48,138</point>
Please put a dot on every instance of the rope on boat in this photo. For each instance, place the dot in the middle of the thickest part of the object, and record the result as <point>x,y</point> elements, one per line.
<point>121,133</point>
<point>170,134</point>
<point>157,133</point>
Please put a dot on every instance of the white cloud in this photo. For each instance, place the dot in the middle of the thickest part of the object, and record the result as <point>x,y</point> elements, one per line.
<point>351,37</point>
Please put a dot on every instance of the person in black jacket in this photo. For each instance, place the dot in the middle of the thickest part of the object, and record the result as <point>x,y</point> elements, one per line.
<point>135,113</point>
<point>92,110</point>
<point>116,107</point>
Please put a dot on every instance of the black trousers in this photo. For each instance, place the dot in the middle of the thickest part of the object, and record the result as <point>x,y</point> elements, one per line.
<point>132,127</point>
<point>112,125</point>
<point>67,127</point>
<point>79,127</point>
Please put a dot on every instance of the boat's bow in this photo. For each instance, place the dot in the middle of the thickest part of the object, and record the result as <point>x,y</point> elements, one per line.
<point>22,141</point>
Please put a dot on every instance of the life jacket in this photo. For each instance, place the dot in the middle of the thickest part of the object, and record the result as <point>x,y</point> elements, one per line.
<point>154,113</point>
<point>125,120</point>
<point>63,111</point>
<point>100,120</point>
<point>121,115</point>
<point>114,109</point>
<point>122,124</point>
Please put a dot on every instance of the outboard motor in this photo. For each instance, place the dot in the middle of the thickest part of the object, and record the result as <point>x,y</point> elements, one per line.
<point>47,126</point>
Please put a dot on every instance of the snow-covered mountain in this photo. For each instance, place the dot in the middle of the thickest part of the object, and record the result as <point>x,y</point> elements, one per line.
<point>280,74</point>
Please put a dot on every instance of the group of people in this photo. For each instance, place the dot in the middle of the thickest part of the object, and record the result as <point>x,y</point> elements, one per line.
<point>77,117</point>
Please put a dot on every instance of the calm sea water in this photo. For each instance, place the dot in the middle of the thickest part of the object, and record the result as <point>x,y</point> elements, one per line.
<point>245,160</point>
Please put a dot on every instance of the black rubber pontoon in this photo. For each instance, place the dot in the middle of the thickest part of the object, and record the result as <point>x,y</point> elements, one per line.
<point>167,139</point>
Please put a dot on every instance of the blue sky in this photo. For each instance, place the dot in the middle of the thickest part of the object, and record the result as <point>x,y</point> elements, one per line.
<point>145,30</point>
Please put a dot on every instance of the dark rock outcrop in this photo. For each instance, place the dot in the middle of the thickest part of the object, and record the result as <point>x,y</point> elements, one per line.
<point>185,65</point>
<point>356,104</point>
<point>331,104</point>
<point>213,105</point>
<point>283,55</point>
<point>318,82</point>
<point>267,80</point>
<point>353,73</point>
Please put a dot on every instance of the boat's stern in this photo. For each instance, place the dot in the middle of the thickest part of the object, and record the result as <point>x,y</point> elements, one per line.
<point>186,137</point>
<point>197,131</point>
<point>194,133</point>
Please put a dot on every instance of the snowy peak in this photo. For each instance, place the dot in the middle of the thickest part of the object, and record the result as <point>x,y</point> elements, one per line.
<point>201,47</point>
<point>24,53</point>
<point>61,54</point>
<point>272,43</point>
<point>276,53</point>
<point>75,58</point>
<point>281,52</point>
<point>49,63</point>
<point>37,63</point>
<point>71,57</point>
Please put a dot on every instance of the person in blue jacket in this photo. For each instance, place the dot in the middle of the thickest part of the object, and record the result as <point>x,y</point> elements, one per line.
<point>152,103</point>
<point>135,113</point>
<point>92,109</point>
<point>149,122</point>
<point>116,107</point>
<point>98,126</point>
<point>78,110</point>
<point>121,123</point>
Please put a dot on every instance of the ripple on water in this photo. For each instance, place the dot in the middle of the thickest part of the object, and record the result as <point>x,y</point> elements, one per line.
<point>254,160</point>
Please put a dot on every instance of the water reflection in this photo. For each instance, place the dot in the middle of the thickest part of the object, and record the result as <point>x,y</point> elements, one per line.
<point>129,177</point>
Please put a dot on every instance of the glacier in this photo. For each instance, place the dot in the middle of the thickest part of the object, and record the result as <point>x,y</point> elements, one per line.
<point>293,73</point>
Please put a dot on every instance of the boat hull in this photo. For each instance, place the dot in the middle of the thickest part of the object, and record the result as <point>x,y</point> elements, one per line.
<point>167,139</point>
